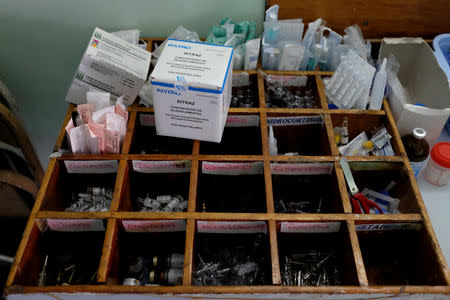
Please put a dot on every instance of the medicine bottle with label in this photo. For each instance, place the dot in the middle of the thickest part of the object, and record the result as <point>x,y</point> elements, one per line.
<point>166,277</point>
<point>172,261</point>
<point>417,148</point>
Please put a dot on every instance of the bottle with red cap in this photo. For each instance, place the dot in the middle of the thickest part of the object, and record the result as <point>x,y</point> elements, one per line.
<point>417,148</point>
<point>437,170</point>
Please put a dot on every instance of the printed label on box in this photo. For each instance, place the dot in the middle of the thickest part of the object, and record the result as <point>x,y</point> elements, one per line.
<point>232,168</point>
<point>392,226</point>
<point>242,121</point>
<point>304,227</point>
<point>147,166</point>
<point>154,225</point>
<point>91,166</point>
<point>231,227</point>
<point>291,121</point>
<point>75,224</point>
<point>147,119</point>
<point>302,169</point>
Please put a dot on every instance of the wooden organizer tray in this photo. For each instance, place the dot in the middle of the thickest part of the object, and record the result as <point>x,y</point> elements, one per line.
<point>408,256</point>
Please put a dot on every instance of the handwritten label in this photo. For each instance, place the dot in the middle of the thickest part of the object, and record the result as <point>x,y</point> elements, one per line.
<point>146,166</point>
<point>288,80</point>
<point>302,169</point>
<point>242,121</point>
<point>147,119</point>
<point>240,79</point>
<point>302,227</point>
<point>154,225</point>
<point>392,226</point>
<point>91,166</point>
<point>292,121</point>
<point>75,224</point>
<point>232,168</point>
<point>231,227</point>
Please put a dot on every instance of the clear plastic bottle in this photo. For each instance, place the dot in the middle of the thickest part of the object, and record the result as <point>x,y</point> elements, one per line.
<point>417,148</point>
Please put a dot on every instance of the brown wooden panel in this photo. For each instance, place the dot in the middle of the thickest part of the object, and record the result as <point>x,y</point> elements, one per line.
<point>382,18</point>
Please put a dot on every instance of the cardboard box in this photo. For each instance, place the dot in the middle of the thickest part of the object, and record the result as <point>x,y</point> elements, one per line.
<point>192,90</point>
<point>110,65</point>
<point>424,81</point>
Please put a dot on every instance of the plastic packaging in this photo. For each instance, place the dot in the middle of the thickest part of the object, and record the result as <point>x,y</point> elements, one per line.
<point>378,87</point>
<point>291,57</point>
<point>308,41</point>
<point>437,170</point>
<point>251,53</point>
<point>273,148</point>
<point>180,33</point>
<point>417,148</point>
<point>271,27</point>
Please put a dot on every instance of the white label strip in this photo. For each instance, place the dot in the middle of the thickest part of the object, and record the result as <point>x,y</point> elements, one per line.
<point>146,166</point>
<point>302,227</point>
<point>147,119</point>
<point>291,121</point>
<point>392,226</point>
<point>231,227</point>
<point>240,79</point>
<point>302,169</point>
<point>91,166</point>
<point>154,225</point>
<point>75,225</point>
<point>242,121</point>
<point>232,168</point>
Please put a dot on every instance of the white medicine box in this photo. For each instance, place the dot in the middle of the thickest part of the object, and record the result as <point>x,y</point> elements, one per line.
<point>192,90</point>
<point>110,65</point>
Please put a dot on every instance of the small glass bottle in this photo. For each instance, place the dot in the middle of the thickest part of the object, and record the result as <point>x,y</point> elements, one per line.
<point>166,277</point>
<point>172,261</point>
<point>344,133</point>
<point>417,148</point>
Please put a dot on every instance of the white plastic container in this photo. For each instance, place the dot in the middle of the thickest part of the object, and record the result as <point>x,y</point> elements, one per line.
<point>437,171</point>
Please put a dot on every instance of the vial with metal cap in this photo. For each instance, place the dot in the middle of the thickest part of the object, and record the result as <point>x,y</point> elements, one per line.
<point>417,148</point>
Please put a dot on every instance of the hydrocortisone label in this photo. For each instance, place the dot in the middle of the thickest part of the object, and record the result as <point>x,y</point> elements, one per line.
<point>148,166</point>
<point>293,121</point>
<point>231,227</point>
<point>91,166</point>
<point>302,169</point>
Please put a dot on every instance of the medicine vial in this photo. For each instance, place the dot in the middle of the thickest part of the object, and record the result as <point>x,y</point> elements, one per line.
<point>437,170</point>
<point>417,148</point>
<point>166,277</point>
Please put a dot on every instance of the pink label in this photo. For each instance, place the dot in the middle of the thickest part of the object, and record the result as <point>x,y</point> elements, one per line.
<point>302,169</point>
<point>146,166</point>
<point>231,227</point>
<point>112,141</point>
<point>154,226</point>
<point>91,166</point>
<point>147,119</point>
<point>75,224</point>
<point>309,227</point>
<point>118,109</point>
<point>85,111</point>
<point>232,168</point>
<point>242,121</point>
<point>99,131</point>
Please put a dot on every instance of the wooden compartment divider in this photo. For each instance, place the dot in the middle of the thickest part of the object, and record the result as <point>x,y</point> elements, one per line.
<point>26,262</point>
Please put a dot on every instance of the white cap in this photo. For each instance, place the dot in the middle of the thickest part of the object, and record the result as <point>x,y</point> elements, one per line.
<point>419,133</point>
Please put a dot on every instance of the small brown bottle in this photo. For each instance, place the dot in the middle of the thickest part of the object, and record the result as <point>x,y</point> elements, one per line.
<point>417,148</point>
